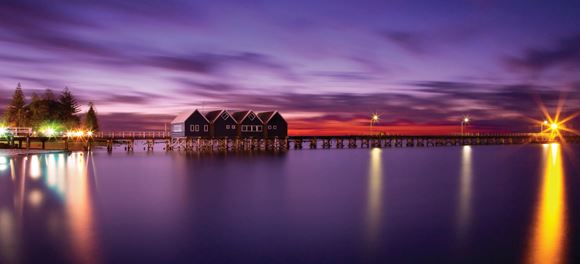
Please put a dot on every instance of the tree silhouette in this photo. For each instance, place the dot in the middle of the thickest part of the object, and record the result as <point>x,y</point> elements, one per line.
<point>16,113</point>
<point>68,108</point>
<point>43,110</point>
<point>91,121</point>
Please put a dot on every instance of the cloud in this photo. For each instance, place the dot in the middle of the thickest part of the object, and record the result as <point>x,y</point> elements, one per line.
<point>219,64</point>
<point>189,87</point>
<point>46,83</point>
<point>60,41</point>
<point>29,16</point>
<point>427,42</point>
<point>344,75</point>
<point>509,107</point>
<point>412,42</point>
<point>182,63</point>
<point>431,103</point>
<point>138,122</point>
<point>566,53</point>
<point>511,98</point>
<point>45,26</point>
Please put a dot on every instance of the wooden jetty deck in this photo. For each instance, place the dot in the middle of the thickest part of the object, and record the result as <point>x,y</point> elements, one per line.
<point>148,139</point>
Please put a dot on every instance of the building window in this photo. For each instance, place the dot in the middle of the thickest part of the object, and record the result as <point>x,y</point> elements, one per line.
<point>196,128</point>
<point>233,126</point>
<point>225,116</point>
<point>269,127</point>
<point>274,127</point>
<point>227,126</point>
<point>191,128</point>
<point>244,128</point>
<point>259,128</point>
<point>251,117</point>
<point>177,128</point>
<point>205,128</point>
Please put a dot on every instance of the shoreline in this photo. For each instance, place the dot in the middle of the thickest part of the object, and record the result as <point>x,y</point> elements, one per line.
<point>25,152</point>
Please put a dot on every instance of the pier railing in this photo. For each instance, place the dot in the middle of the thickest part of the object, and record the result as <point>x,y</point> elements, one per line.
<point>150,138</point>
<point>132,134</point>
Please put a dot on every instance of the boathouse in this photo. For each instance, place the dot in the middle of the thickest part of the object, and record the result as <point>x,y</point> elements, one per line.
<point>222,124</point>
<point>190,123</point>
<point>249,124</point>
<point>274,125</point>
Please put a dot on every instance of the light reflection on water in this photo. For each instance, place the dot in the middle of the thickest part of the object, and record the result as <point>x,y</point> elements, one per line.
<point>49,181</point>
<point>8,237</point>
<point>80,210</point>
<point>375,198</point>
<point>465,185</point>
<point>549,228</point>
<point>349,206</point>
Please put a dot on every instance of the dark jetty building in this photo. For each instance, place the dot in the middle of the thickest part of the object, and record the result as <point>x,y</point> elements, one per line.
<point>230,124</point>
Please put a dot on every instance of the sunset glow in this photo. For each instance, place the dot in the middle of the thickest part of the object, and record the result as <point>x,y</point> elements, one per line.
<point>323,65</point>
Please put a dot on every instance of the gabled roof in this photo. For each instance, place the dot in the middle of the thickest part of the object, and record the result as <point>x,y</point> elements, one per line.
<point>241,115</point>
<point>183,116</point>
<point>213,115</point>
<point>266,116</point>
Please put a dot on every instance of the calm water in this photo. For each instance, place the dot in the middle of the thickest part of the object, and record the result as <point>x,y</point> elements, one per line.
<point>455,204</point>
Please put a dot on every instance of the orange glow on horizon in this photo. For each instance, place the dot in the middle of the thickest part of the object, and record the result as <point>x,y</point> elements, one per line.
<point>361,127</point>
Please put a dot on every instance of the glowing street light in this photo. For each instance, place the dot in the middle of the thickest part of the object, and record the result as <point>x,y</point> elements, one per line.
<point>374,118</point>
<point>49,132</point>
<point>545,123</point>
<point>79,133</point>
<point>3,131</point>
<point>463,123</point>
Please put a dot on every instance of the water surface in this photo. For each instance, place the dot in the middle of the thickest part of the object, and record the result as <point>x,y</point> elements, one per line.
<point>478,204</point>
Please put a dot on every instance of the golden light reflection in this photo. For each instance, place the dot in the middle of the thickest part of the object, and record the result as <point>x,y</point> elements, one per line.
<point>35,167</point>
<point>548,235</point>
<point>464,209</point>
<point>3,163</point>
<point>8,237</point>
<point>80,209</point>
<point>12,170</point>
<point>374,202</point>
<point>35,198</point>
<point>51,170</point>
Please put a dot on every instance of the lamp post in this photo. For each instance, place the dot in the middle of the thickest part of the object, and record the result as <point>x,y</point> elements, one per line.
<point>545,123</point>
<point>374,118</point>
<point>463,123</point>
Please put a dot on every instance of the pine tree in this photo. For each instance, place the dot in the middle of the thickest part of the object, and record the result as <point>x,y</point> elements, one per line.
<point>16,113</point>
<point>42,110</point>
<point>68,108</point>
<point>37,110</point>
<point>48,95</point>
<point>91,121</point>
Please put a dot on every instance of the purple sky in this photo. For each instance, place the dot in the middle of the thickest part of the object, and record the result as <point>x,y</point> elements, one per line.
<point>323,64</point>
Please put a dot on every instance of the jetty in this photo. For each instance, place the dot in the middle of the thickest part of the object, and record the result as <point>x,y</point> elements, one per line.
<point>131,140</point>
